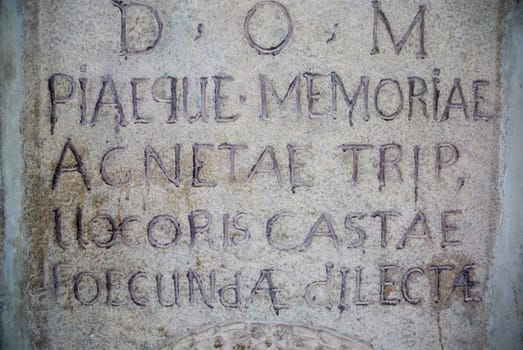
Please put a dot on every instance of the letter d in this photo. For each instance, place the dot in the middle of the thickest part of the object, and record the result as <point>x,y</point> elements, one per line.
<point>147,44</point>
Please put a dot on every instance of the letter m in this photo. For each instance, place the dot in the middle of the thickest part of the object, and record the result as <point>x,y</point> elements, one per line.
<point>418,18</point>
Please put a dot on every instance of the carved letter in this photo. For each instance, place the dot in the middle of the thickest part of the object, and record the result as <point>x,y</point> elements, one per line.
<point>122,229</point>
<point>404,286</point>
<point>419,218</point>
<point>294,85</point>
<point>435,92</point>
<point>59,99</point>
<point>342,305</point>
<point>237,240</point>
<point>312,298</point>
<point>357,292</point>
<point>135,99</point>
<point>79,230</point>
<point>198,165</point>
<point>125,47</point>
<point>155,221</point>
<point>437,272</point>
<point>235,287</point>
<point>386,286</point>
<point>202,228</point>
<point>109,287</point>
<point>113,231</point>
<point>58,229</point>
<point>57,281</point>
<point>355,153</point>
<point>159,289</point>
<point>171,100</point>
<point>269,150</point>
<point>447,227</point>
<point>132,290</point>
<point>382,114</point>
<point>417,95</point>
<point>268,232</point>
<point>103,169</point>
<point>76,288</point>
<point>78,165</point>
<point>115,103</point>
<point>418,18</point>
<point>193,276</point>
<point>150,153</point>
<point>463,282</point>
<point>219,99</point>
<point>266,275</point>
<point>83,102</point>
<point>315,232</point>
<point>273,50</point>
<point>202,114</point>
<point>312,95</point>
<point>294,166</point>
<point>442,162</point>
<point>478,98</point>
<point>350,102</point>
<point>232,157</point>
<point>455,105</point>
<point>383,217</point>
<point>362,236</point>
<point>392,161</point>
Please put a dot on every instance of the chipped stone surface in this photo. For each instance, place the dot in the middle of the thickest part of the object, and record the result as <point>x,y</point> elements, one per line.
<point>265,336</point>
<point>323,174</point>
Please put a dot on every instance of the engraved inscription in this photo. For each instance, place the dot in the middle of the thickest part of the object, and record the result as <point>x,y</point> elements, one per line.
<point>262,48</point>
<point>316,95</point>
<point>272,160</point>
<point>127,45</point>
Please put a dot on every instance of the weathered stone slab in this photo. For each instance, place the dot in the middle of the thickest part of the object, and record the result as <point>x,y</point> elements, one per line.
<point>260,174</point>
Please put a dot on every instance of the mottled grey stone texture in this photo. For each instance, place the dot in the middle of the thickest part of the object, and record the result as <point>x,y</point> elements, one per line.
<point>260,174</point>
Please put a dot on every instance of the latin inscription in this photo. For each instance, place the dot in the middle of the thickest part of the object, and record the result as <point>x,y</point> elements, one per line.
<point>351,101</point>
<point>305,92</point>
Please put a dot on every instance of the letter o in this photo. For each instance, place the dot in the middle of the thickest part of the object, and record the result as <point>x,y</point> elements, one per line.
<point>157,219</point>
<point>394,114</point>
<point>273,50</point>
<point>76,287</point>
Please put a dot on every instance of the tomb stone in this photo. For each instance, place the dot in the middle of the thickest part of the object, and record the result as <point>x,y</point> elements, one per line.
<point>252,174</point>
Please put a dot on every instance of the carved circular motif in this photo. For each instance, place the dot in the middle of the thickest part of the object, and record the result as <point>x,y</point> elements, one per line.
<point>247,336</point>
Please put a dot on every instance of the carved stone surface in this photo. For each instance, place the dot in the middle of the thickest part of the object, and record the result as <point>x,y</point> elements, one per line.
<point>248,336</point>
<point>291,174</point>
